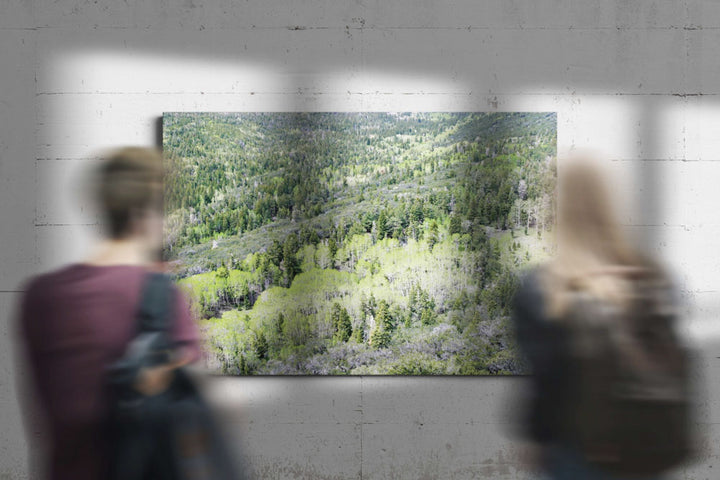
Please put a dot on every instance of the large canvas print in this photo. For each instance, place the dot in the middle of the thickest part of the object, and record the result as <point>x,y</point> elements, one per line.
<point>358,243</point>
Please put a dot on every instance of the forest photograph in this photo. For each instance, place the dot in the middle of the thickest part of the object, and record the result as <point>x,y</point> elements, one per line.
<point>358,243</point>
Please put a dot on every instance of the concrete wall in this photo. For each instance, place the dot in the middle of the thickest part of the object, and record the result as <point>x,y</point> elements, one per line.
<point>639,81</point>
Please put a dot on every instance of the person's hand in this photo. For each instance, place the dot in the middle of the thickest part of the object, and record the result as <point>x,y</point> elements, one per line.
<point>154,380</point>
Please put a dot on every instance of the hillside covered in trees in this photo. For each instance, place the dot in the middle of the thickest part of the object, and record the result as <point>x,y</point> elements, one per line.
<point>358,243</point>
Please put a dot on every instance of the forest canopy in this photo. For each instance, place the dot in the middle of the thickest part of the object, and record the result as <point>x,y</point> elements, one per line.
<point>358,243</point>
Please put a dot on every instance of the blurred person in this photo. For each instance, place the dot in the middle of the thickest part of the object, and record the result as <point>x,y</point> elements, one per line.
<point>609,396</point>
<point>76,321</point>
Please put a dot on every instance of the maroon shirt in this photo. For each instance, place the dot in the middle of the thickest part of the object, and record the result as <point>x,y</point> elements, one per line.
<point>75,322</point>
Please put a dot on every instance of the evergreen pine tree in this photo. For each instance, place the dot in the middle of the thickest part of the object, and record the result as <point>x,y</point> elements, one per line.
<point>261,346</point>
<point>342,326</point>
<point>382,225</point>
<point>455,224</point>
<point>379,337</point>
<point>383,316</point>
<point>359,332</point>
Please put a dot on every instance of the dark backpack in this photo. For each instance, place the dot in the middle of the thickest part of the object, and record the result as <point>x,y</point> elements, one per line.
<point>629,410</point>
<point>170,436</point>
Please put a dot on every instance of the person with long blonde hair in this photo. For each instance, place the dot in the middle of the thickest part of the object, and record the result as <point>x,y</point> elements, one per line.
<point>594,254</point>
<point>565,310</point>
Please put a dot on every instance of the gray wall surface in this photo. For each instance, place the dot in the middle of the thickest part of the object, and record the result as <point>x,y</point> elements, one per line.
<point>637,81</point>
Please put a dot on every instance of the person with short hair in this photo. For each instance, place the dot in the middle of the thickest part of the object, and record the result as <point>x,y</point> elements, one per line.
<point>76,321</point>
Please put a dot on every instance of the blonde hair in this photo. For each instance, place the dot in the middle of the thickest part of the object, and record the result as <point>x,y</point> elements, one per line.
<point>594,256</point>
<point>129,181</point>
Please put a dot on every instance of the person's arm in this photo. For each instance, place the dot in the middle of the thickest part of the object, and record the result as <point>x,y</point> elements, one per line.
<point>29,332</point>
<point>30,336</point>
<point>184,333</point>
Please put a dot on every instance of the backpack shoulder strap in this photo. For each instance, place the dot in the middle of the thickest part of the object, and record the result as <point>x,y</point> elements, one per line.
<point>155,304</point>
